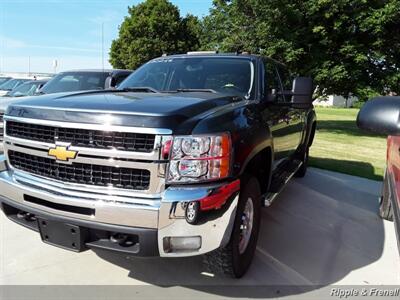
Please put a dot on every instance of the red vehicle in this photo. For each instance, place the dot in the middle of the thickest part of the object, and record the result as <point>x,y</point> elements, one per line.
<point>382,115</point>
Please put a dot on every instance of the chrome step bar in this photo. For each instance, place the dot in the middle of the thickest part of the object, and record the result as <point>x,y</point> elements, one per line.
<point>269,197</point>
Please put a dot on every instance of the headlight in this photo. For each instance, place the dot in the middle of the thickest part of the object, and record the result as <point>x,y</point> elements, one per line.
<point>199,158</point>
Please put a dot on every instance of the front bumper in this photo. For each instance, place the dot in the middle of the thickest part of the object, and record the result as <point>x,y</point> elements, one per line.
<point>151,220</point>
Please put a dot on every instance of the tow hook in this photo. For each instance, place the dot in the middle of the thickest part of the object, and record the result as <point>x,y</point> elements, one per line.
<point>118,238</point>
<point>26,216</point>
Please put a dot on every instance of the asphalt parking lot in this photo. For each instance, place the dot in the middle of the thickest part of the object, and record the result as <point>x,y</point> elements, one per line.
<point>322,230</point>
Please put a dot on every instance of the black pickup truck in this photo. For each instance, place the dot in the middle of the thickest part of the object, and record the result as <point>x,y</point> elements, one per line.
<point>178,161</point>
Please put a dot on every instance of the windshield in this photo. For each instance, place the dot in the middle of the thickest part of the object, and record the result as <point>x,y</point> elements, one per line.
<point>226,75</point>
<point>11,84</point>
<point>26,89</point>
<point>75,81</point>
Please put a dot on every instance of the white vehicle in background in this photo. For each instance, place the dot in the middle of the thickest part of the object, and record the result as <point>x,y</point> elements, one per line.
<point>12,84</point>
<point>29,88</point>
<point>4,79</point>
<point>4,102</point>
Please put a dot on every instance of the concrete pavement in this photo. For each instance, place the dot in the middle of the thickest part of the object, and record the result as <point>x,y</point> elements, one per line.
<point>322,230</point>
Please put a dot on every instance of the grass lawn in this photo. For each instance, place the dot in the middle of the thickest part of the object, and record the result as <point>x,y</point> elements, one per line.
<point>340,146</point>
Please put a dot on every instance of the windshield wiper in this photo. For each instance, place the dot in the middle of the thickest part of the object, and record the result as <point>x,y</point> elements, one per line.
<point>140,89</point>
<point>194,90</point>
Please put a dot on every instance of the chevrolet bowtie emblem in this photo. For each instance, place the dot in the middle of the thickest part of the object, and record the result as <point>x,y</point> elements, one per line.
<point>62,153</point>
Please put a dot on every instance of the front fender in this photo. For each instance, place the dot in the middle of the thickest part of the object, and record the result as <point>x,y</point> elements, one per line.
<point>249,135</point>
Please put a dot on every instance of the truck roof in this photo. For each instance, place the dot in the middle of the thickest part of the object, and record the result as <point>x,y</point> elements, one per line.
<point>96,71</point>
<point>209,54</point>
<point>215,54</point>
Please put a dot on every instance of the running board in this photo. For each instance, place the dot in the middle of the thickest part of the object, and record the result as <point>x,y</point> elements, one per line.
<point>279,182</point>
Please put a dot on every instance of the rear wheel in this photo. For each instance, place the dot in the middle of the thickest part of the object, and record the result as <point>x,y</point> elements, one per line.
<point>385,208</point>
<point>235,258</point>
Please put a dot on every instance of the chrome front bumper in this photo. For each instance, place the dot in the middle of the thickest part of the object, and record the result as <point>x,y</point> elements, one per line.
<point>163,212</point>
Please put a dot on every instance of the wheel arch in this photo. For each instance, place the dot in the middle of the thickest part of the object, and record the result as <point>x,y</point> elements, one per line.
<point>259,164</point>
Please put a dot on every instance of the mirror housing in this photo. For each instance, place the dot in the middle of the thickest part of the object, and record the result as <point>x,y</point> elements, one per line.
<point>110,83</point>
<point>302,90</point>
<point>380,115</point>
<point>272,96</point>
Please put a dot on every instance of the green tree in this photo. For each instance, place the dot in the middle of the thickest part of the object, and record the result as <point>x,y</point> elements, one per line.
<point>152,28</point>
<point>349,47</point>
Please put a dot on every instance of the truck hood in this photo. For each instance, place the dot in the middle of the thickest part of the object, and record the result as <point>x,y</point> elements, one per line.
<point>150,110</point>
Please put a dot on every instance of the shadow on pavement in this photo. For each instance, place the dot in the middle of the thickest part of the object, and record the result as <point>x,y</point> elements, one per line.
<point>320,229</point>
<point>351,167</point>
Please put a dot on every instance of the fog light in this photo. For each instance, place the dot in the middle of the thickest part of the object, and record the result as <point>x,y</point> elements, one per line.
<point>182,244</point>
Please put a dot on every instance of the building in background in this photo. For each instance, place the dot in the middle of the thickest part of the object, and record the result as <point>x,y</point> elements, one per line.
<point>336,101</point>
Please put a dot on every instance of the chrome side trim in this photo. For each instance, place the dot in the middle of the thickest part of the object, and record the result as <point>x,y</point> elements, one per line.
<point>270,197</point>
<point>107,127</point>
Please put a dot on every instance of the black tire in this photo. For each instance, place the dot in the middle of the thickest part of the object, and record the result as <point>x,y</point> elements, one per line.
<point>303,169</point>
<point>385,207</point>
<point>228,260</point>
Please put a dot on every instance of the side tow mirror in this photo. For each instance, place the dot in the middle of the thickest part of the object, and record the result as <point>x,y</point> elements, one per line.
<point>302,90</point>
<point>380,115</point>
<point>272,95</point>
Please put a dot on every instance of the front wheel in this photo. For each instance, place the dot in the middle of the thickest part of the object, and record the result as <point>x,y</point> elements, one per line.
<point>235,258</point>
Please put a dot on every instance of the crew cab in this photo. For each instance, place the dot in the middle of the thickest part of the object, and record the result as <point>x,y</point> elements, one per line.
<point>177,161</point>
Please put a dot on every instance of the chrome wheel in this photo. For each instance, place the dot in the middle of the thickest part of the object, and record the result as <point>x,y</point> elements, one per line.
<point>246,226</point>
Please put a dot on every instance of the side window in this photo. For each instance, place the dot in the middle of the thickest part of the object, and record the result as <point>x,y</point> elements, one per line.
<point>286,80</point>
<point>272,82</point>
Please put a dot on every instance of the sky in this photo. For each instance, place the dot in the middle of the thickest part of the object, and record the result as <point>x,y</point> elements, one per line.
<point>35,33</point>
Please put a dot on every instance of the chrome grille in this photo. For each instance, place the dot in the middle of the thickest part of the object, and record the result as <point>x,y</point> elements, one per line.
<point>123,141</point>
<point>88,174</point>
